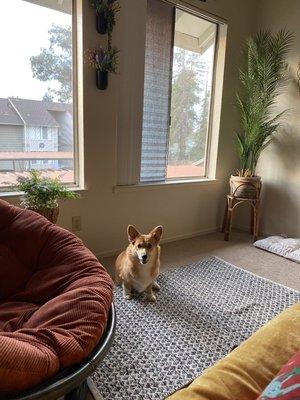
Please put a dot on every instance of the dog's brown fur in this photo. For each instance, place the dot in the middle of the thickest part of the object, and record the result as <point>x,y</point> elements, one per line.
<point>138,266</point>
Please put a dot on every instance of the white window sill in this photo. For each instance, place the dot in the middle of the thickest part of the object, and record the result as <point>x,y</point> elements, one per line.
<point>167,184</point>
<point>18,194</point>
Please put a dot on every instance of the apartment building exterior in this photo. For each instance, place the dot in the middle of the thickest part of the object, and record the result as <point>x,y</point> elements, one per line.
<point>31,127</point>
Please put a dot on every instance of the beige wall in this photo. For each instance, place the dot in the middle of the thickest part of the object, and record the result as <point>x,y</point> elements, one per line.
<point>279,165</point>
<point>184,210</point>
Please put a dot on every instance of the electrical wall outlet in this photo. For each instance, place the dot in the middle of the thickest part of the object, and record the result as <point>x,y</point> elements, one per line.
<point>76,224</point>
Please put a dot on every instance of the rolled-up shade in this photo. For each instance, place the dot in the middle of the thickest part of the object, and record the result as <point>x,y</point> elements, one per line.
<point>158,75</point>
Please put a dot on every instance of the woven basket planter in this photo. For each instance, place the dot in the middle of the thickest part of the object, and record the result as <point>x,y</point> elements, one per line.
<point>50,213</point>
<point>245,187</point>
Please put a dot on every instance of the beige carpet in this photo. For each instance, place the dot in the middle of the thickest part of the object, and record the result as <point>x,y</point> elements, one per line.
<point>238,251</point>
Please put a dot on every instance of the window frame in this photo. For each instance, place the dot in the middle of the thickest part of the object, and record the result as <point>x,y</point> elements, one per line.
<point>77,90</point>
<point>78,124</point>
<point>130,114</point>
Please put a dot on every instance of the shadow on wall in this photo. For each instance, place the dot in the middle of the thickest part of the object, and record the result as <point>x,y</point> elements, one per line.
<point>286,149</point>
<point>278,206</point>
<point>280,170</point>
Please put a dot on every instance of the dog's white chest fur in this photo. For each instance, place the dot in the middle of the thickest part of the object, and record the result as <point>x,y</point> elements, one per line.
<point>145,278</point>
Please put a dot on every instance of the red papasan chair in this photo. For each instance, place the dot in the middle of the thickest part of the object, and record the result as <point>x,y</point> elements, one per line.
<point>54,299</point>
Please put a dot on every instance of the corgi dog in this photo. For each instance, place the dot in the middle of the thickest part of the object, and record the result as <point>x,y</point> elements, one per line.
<point>138,266</point>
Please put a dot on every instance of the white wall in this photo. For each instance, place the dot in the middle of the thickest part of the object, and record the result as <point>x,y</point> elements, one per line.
<point>183,209</point>
<point>279,165</point>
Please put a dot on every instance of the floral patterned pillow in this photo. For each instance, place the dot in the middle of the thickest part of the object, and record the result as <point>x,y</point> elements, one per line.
<point>286,385</point>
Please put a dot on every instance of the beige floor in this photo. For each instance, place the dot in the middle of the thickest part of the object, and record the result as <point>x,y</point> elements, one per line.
<point>238,251</point>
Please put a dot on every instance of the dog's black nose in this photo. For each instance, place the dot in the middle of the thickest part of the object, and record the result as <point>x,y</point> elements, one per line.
<point>144,258</point>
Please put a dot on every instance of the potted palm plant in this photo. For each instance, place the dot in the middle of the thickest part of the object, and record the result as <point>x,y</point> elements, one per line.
<point>262,80</point>
<point>42,194</point>
<point>104,61</point>
<point>105,15</point>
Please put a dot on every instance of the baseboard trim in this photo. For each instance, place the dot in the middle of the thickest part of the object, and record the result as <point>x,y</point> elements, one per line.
<point>169,239</point>
<point>243,228</point>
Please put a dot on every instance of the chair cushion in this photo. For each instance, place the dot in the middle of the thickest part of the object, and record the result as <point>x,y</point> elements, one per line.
<point>54,299</point>
<point>13,271</point>
<point>286,385</point>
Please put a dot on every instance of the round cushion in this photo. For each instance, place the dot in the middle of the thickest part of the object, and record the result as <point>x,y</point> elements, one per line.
<point>54,299</point>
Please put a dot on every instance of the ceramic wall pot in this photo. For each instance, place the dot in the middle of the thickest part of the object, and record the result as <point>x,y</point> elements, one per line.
<point>102,79</point>
<point>101,24</point>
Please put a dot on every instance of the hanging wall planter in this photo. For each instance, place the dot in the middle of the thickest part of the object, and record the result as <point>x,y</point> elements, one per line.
<point>105,15</point>
<point>104,61</point>
<point>101,23</point>
<point>102,79</point>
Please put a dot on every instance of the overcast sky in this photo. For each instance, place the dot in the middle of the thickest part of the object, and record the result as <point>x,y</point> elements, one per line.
<point>23,31</point>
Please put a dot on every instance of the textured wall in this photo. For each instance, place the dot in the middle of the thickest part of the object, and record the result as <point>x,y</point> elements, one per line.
<point>279,165</point>
<point>183,209</point>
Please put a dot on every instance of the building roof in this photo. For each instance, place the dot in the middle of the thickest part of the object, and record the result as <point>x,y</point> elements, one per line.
<point>30,112</point>
<point>8,115</point>
<point>185,171</point>
<point>11,178</point>
<point>34,113</point>
<point>62,107</point>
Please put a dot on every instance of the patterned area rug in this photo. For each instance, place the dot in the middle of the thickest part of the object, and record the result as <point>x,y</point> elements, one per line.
<point>202,311</point>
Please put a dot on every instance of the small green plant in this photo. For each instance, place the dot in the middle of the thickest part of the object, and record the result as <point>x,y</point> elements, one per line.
<point>108,9</point>
<point>42,193</point>
<point>104,60</point>
<point>262,80</point>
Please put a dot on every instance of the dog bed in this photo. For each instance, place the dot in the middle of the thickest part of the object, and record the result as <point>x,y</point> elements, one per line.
<point>54,299</point>
<point>285,247</point>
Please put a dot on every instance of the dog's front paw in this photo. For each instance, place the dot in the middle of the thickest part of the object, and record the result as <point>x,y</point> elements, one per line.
<point>127,296</point>
<point>155,286</point>
<point>151,297</point>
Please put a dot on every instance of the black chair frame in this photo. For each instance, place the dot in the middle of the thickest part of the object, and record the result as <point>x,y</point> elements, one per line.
<point>71,382</point>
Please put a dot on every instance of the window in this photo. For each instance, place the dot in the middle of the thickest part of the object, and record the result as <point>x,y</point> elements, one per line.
<point>193,62</point>
<point>178,87</point>
<point>45,133</point>
<point>36,95</point>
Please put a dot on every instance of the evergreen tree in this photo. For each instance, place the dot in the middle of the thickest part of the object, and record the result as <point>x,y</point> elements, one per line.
<point>190,107</point>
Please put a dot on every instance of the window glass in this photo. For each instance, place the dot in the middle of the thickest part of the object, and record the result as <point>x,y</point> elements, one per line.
<point>193,65</point>
<point>45,132</point>
<point>177,93</point>
<point>36,98</point>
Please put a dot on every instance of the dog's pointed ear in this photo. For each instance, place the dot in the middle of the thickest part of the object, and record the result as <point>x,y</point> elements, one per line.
<point>132,233</point>
<point>156,233</point>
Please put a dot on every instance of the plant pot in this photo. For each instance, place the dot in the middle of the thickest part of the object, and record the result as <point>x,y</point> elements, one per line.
<point>101,24</point>
<point>50,213</point>
<point>102,79</point>
<point>245,187</point>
